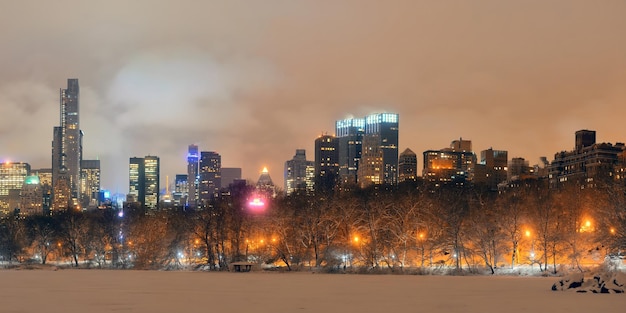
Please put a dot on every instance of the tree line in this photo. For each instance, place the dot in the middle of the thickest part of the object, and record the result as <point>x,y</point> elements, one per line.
<point>396,229</point>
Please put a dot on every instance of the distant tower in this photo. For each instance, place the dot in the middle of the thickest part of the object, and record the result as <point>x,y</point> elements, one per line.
<point>31,197</point>
<point>326,162</point>
<point>90,183</point>
<point>407,166</point>
<point>296,169</point>
<point>12,176</point>
<point>67,149</point>
<point>152,176</point>
<point>193,158</point>
<point>136,182</point>
<point>181,191</point>
<point>379,157</point>
<point>210,175</point>
<point>265,183</point>
<point>144,181</point>
<point>349,133</point>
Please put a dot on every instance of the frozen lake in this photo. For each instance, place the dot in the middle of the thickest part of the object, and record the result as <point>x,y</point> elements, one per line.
<point>152,291</point>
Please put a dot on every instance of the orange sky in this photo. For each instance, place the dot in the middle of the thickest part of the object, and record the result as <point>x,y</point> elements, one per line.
<point>256,80</point>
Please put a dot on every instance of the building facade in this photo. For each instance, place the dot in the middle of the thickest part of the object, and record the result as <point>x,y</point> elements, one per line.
<point>299,173</point>
<point>349,133</point>
<point>193,163</point>
<point>210,181</point>
<point>407,166</point>
<point>450,166</point>
<point>31,197</point>
<point>379,156</point>
<point>143,184</point>
<point>12,177</point>
<point>326,162</point>
<point>588,165</point>
<point>67,150</point>
<point>90,183</point>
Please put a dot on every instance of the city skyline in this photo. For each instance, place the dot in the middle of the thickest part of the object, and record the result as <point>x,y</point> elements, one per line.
<point>256,81</point>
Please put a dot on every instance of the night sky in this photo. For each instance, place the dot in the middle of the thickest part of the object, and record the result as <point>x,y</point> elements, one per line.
<point>256,80</point>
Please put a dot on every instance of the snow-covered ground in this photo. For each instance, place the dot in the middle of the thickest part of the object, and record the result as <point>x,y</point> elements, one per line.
<point>49,291</point>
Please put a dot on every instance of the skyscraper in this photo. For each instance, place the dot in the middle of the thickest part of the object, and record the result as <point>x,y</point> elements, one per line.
<point>181,191</point>
<point>296,177</point>
<point>90,183</point>
<point>144,179</point>
<point>210,180</point>
<point>349,133</point>
<point>12,176</point>
<point>136,180</point>
<point>152,177</point>
<point>67,149</point>
<point>326,162</point>
<point>193,158</point>
<point>379,157</point>
<point>407,166</point>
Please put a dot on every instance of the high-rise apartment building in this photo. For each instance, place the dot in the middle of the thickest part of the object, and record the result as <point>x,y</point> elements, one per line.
<point>12,176</point>
<point>379,156</point>
<point>67,150</point>
<point>450,166</point>
<point>492,168</point>
<point>181,190</point>
<point>210,175</point>
<point>144,179</point>
<point>136,182</point>
<point>407,166</point>
<point>296,171</point>
<point>349,133</point>
<point>31,197</point>
<point>90,183</point>
<point>152,185</point>
<point>193,161</point>
<point>588,165</point>
<point>326,162</point>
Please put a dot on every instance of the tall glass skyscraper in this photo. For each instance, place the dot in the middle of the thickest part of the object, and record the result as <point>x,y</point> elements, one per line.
<point>193,158</point>
<point>210,181</point>
<point>379,157</point>
<point>67,149</point>
<point>144,179</point>
<point>349,133</point>
<point>299,173</point>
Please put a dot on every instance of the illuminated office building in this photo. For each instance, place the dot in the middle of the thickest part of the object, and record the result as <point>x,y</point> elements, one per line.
<point>144,182</point>
<point>210,177</point>
<point>326,162</point>
<point>180,190</point>
<point>90,183</point>
<point>349,133</point>
<point>31,197</point>
<point>450,166</point>
<point>379,155</point>
<point>299,173</point>
<point>12,176</point>
<point>67,150</point>
<point>492,168</point>
<point>407,166</point>
<point>193,161</point>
